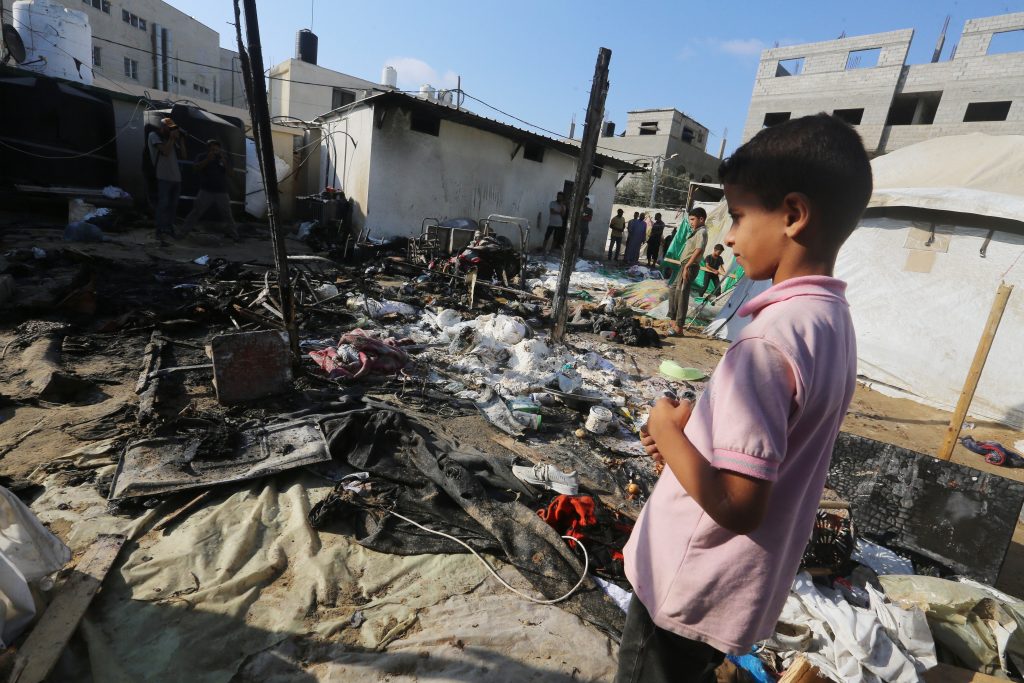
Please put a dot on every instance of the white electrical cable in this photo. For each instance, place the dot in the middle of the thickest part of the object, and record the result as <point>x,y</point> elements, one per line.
<point>586,562</point>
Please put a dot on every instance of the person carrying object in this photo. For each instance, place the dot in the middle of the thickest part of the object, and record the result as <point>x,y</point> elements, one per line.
<point>213,167</point>
<point>716,548</point>
<point>689,266</point>
<point>714,270</point>
<point>165,144</point>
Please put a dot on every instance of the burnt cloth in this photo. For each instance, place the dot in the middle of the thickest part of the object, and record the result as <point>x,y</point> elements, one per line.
<point>426,476</point>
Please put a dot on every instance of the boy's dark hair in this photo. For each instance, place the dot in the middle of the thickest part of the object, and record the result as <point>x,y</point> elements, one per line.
<point>620,211</point>
<point>718,247</point>
<point>820,156</point>
<point>699,212</point>
<point>657,216</point>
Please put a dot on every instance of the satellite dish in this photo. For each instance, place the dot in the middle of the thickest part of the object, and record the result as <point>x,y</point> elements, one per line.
<point>13,43</point>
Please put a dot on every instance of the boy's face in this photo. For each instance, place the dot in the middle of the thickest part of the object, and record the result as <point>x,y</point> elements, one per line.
<point>696,222</point>
<point>758,235</point>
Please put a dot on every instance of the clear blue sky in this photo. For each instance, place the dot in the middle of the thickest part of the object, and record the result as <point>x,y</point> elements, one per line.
<point>535,59</point>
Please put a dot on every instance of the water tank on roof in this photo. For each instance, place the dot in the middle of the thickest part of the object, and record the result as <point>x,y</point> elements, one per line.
<point>389,77</point>
<point>609,129</point>
<point>58,40</point>
<point>305,46</point>
<point>427,92</point>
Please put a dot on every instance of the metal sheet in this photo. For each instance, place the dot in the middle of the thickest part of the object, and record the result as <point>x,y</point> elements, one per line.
<point>165,464</point>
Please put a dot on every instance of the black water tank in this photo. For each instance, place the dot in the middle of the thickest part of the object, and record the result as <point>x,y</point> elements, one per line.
<point>305,46</point>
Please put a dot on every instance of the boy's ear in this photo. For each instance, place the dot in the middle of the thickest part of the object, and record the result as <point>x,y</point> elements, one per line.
<point>797,212</point>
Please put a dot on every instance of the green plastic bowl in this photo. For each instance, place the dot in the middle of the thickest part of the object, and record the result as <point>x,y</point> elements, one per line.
<point>673,370</point>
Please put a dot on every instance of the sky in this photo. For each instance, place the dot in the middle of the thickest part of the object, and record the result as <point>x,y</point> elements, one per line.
<point>535,58</point>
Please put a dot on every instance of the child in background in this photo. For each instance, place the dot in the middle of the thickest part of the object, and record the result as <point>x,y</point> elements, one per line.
<point>715,550</point>
<point>714,267</point>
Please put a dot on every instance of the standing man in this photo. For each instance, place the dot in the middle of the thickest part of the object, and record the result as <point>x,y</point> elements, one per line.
<point>556,223</point>
<point>617,227</point>
<point>654,241</point>
<point>689,266</point>
<point>637,234</point>
<point>213,167</point>
<point>164,145</point>
<point>588,215</point>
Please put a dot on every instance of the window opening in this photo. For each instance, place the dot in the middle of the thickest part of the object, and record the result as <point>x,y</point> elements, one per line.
<point>986,111</point>
<point>775,118</point>
<point>863,59</point>
<point>790,67</point>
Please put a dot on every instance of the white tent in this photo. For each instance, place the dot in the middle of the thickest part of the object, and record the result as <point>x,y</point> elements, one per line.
<point>944,227</point>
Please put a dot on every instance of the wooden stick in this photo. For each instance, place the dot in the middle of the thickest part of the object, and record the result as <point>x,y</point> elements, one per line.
<point>187,507</point>
<point>802,672</point>
<point>956,423</point>
<point>44,645</point>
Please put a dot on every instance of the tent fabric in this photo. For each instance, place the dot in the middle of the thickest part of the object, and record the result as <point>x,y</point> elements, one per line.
<point>985,163</point>
<point>243,589</point>
<point>917,331</point>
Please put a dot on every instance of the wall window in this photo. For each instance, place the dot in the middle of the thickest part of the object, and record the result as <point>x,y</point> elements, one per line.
<point>1005,42</point>
<point>126,16</point>
<point>422,122</point>
<point>131,68</point>
<point>774,118</point>
<point>101,5</point>
<point>142,24</point>
<point>533,152</point>
<point>913,109</point>
<point>863,59</point>
<point>850,116</point>
<point>341,97</point>
<point>649,128</point>
<point>688,134</point>
<point>790,67</point>
<point>986,111</point>
<point>96,60</point>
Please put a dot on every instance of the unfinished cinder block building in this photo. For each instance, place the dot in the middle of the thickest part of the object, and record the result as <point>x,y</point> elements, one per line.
<point>866,81</point>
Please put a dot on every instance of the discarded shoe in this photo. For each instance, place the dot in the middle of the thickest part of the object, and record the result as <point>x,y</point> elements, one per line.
<point>548,476</point>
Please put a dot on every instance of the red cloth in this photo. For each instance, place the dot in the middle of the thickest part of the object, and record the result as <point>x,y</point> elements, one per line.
<point>569,515</point>
<point>381,356</point>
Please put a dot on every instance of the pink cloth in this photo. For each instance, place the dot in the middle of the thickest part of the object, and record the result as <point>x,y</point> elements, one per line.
<point>772,411</point>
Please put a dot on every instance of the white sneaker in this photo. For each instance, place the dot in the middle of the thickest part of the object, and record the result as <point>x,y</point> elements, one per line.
<point>548,476</point>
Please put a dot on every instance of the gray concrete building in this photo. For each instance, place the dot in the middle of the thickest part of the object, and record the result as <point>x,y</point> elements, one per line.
<point>661,133</point>
<point>866,81</point>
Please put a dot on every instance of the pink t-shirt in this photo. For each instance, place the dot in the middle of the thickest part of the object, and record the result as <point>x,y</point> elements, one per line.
<point>772,410</point>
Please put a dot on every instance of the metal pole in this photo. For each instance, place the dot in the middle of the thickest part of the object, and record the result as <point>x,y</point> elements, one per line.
<point>654,179</point>
<point>256,91</point>
<point>956,423</point>
<point>585,169</point>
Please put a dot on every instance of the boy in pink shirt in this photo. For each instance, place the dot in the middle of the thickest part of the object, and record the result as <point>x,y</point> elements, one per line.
<point>717,546</point>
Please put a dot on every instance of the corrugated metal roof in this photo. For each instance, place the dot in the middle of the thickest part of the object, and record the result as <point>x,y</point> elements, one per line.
<point>468,118</point>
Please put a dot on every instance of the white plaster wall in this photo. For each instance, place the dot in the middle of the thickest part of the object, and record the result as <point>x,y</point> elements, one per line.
<point>462,172</point>
<point>292,95</point>
<point>346,162</point>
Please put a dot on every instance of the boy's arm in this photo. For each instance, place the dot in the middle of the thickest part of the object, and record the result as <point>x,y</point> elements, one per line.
<point>752,397</point>
<point>735,501</point>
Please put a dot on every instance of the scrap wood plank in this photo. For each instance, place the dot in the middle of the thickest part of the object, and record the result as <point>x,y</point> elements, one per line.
<point>945,673</point>
<point>802,671</point>
<point>44,644</point>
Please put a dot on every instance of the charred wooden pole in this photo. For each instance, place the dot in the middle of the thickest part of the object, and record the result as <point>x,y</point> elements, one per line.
<point>584,171</point>
<point>251,58</point>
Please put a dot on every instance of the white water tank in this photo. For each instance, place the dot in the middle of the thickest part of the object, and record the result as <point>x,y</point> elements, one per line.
<point>58,40</point>
<point>389,77</point>
<point>445,97</point>
<point>427,92</point>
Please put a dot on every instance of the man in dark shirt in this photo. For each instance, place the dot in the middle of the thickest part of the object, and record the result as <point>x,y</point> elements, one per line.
<point>588,215</point>
<point>213,167</point>
<point>713,269</point>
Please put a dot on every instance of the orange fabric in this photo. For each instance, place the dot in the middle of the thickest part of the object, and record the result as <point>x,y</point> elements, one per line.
<point>569,515</point>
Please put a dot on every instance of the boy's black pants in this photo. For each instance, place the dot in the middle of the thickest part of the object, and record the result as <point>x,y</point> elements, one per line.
<point>649,654</point>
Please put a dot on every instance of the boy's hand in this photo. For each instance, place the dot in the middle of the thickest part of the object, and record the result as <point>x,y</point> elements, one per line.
<point>669,412</point>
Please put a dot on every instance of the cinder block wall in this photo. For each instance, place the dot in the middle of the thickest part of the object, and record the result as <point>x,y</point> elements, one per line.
<point>825,84</point>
